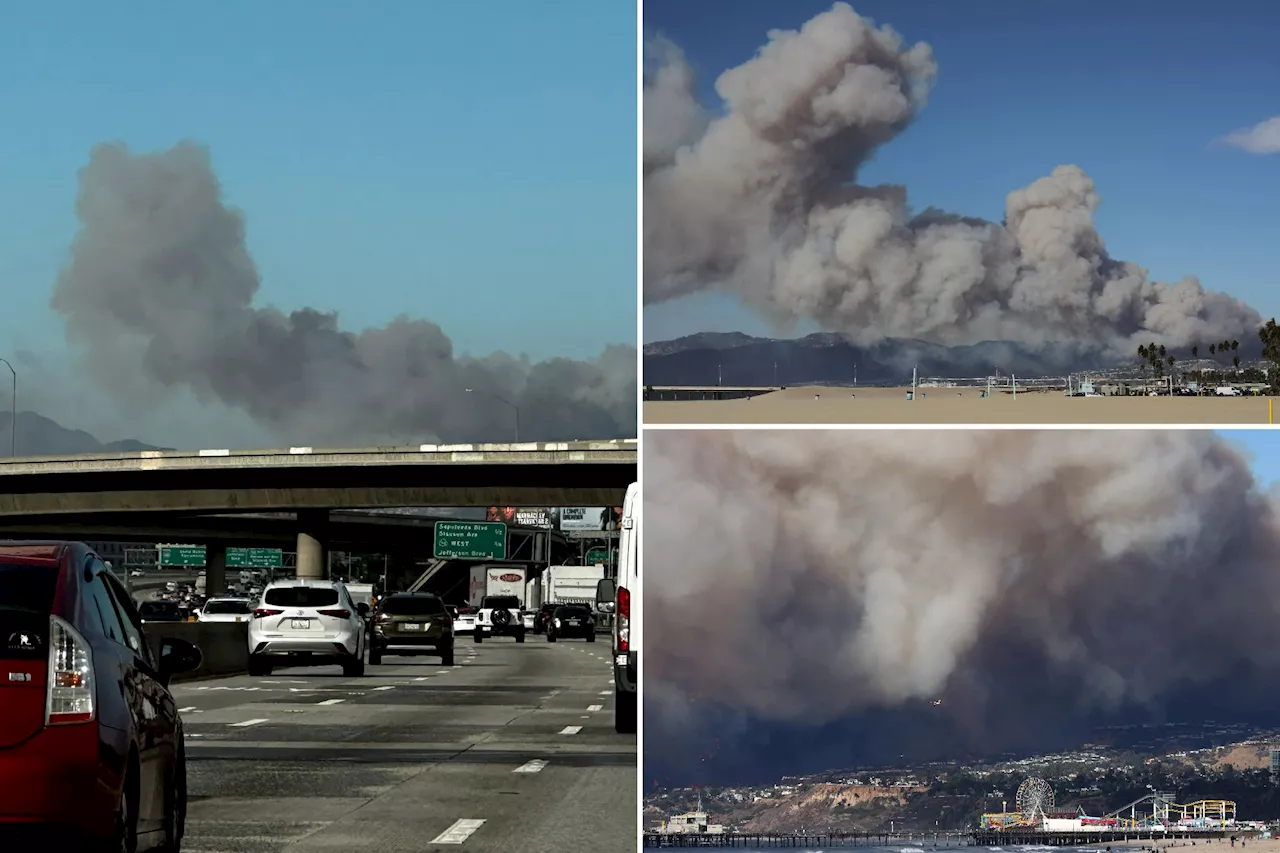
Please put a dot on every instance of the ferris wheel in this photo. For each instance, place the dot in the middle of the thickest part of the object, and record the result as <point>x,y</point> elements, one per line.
<point>1035,798</point>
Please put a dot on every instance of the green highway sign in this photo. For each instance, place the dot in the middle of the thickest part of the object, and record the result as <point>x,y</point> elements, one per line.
<point>182,555</point>
<point>597,556</point>
<point>254,558</point>
<point>471,540</point>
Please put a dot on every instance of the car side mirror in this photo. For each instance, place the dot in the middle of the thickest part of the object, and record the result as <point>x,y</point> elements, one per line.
<point>606,595</point>
<point>178,657</point>
<point>362,608</point>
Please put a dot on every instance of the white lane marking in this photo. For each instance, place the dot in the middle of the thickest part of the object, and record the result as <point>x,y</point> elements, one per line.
<point>534,766</point>
<point>249,723</point>
<point>445,671</point>
<point>331,701</point>
<point>264,681</point>
<point>594,707</point>
<point>603,693</point>
<point>388,687</point>
<point>186,710</point>
<point>458,833</point>
<point>585,717</point>
<point>570,730</point>
<point>422,678</point>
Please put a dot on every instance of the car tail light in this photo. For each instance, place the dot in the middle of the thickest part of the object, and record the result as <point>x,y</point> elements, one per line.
<point>624,619</point>
<point>336,614</point>
<point>263,612</point>
<point>71,691</point>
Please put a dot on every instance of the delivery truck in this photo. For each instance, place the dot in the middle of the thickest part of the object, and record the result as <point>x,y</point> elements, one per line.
<point>490,579</point>
<point>571,584</point>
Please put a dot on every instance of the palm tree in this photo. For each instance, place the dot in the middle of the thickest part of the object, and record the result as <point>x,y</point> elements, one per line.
<point>1236,361</point>
<point>1195,351</point>
<point>1212,347</point>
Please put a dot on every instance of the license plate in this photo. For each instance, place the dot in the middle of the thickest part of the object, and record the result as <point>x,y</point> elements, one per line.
<point>573,621</point>
<point>237,618</point>
<point>300,624</point>
<point>412,626</point>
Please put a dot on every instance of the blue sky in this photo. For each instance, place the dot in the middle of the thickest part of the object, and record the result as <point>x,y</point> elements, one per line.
<point>1135,95</point>
<point>470,163</point>
<point>1263,447</point>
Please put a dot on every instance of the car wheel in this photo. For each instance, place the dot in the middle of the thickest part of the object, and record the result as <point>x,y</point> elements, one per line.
<point>258,666</point>
<point>520,636</point>
<point>353,668</point>
<point>477,636</point>
<point>125,838</point>
<point>551,637</point>
<point>446,657</point>
<point>175,804</point>
<point>375,656</point>
<point>591,636</point>
<point>624,713</point>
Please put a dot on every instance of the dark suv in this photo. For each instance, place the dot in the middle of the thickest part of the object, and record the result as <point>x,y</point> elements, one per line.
<point>410,623</point>
<point>91,746</point>
<point>572,620</point>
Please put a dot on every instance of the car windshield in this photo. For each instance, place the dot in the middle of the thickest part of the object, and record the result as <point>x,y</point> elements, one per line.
<point>228,606</point>
<point>157,608</point>
<point>572,612</point>
<point>413,605</point>
<point>502,602</point>
<point>27,587</point>
<point>302,596</point>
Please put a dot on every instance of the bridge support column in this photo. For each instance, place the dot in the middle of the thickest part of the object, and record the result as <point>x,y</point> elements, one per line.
<point>215,570</point>
<point>312,547</point>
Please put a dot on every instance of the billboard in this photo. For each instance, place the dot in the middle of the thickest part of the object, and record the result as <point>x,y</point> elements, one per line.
<point>590,517</point>
<point>521,516</point>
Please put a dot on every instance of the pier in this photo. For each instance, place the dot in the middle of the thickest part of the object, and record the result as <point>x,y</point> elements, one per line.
<point>808,839</point>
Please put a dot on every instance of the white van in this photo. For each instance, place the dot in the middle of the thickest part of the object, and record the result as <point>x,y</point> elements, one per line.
<point>621,599</point>
<point>1226,391</point>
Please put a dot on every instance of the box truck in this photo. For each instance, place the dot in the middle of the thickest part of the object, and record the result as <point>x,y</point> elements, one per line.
<point>572,584</point>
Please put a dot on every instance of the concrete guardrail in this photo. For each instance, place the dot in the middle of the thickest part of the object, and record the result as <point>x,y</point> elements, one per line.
<point>225,645</point>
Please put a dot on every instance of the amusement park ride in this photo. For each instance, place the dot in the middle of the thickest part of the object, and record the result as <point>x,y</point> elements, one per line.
<point>1155,812</point>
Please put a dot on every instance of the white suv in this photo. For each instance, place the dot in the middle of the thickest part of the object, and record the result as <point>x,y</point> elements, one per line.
<point>306,623</point>
<point>499,616</point>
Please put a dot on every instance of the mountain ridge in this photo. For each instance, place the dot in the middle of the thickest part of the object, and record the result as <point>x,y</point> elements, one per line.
<point>41,436</point>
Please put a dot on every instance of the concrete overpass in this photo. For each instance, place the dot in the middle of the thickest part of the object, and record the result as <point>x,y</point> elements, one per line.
<point>310,481</point>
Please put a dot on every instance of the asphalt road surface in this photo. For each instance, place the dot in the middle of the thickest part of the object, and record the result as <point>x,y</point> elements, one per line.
<point>512,749</point>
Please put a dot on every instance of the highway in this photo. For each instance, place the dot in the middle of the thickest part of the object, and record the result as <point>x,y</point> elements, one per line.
<point>512,749</point>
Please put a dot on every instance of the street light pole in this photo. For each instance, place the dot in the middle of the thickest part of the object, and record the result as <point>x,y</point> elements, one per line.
<point>513,406</point>
<point>13,411</point>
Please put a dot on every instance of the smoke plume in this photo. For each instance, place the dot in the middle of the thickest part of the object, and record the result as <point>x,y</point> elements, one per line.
<point>841,582</point>
<point>763,201</point>
<point>158,297</point>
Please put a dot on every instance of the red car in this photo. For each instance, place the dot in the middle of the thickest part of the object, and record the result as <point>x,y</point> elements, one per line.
<point>91,748</point>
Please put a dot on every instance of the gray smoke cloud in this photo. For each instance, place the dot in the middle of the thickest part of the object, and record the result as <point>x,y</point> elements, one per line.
<point>1025,578</point>
<point>159,298</point>
<point>763,202</point>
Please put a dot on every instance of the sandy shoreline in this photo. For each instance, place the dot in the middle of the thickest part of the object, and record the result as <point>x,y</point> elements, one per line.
<point>820,405</point>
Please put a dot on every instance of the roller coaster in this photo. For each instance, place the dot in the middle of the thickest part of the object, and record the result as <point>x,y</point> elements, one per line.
<point>1163,811</point>
<point>1156,811</point>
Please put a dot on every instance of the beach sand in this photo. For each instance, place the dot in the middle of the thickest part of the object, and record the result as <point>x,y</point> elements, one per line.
<point>956,406</point>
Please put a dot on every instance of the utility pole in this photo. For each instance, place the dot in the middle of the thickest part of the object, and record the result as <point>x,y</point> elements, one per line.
<point>13,411</point>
